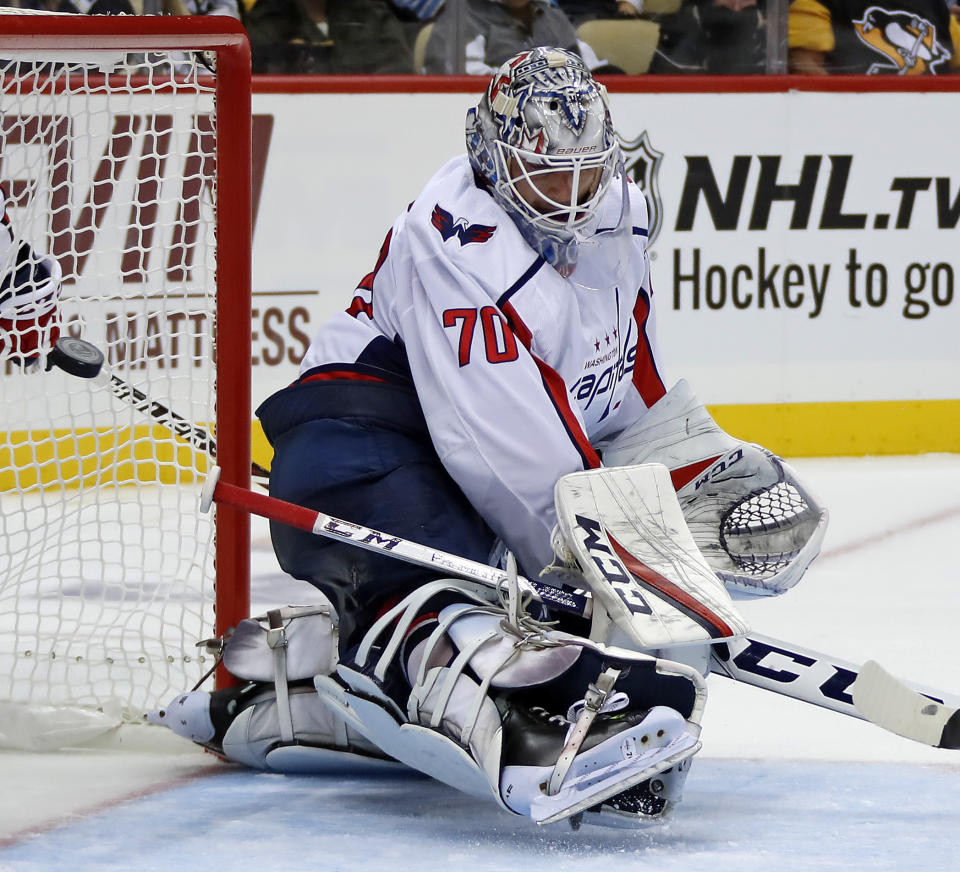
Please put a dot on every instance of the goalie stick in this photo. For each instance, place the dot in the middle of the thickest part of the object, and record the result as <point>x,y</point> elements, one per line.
<point>320,524</point>
<point>895,706</point>
<point>866,692</point>
<point>84,360</point>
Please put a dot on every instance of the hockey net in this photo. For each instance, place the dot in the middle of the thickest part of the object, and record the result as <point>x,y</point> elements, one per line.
<point>124,165</point>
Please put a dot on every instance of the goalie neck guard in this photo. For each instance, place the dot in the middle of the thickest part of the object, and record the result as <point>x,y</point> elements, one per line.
<point>542,140</point>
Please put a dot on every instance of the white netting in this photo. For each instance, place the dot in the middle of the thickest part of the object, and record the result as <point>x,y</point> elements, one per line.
<point>107,164</point>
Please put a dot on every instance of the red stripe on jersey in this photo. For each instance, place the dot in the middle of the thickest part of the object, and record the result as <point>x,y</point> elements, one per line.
<point>685,601</point>
<point>366,283</point>
<point>683,475</point>
<point>556,390</point>
<point>646,379</point>
<point>520,330</point>
<point>360,305</point>
<point>341,375</point>
<point>558,393</point>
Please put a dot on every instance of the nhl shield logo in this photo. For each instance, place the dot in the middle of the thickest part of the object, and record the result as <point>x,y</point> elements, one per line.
<point>642,162</point>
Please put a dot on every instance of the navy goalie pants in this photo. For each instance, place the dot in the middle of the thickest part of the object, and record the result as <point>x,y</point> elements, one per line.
<point>360,451</point>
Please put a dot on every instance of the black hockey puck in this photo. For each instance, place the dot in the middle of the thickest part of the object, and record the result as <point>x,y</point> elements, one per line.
<point>76,356</point>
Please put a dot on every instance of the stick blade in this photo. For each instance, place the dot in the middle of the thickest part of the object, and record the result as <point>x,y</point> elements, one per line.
<point>209,488</point>
<point>889,703</point>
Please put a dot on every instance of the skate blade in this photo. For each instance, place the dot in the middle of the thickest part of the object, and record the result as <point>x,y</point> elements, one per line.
<point>609,819</point>
<point>589,790</point>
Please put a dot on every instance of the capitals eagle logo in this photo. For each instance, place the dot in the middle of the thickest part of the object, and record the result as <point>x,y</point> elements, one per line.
<point>466,233</point>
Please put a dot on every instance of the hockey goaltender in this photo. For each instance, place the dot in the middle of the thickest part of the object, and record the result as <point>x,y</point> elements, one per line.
<point>493,391</point>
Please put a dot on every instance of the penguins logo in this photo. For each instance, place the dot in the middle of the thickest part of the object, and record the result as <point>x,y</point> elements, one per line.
<point>642,162</point>
<point>908,41</point>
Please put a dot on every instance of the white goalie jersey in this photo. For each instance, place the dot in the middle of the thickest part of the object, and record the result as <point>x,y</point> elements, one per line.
<point>520,371</point>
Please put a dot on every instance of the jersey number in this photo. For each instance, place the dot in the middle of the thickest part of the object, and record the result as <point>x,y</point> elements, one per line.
<point>499,343</point>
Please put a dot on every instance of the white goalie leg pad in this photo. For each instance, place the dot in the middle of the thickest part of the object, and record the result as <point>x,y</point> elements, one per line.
<point>292,643</point>
<point>452,729</point>
<point>470,762</point>
<point>276,722</point>
<point>446,699</point>
<point>754,521</point>
<point>254,737</point>
<point>282,646</point>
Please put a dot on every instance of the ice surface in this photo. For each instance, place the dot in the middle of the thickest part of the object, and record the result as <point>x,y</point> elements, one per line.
<point>779,785</point>
<point>736,816</point>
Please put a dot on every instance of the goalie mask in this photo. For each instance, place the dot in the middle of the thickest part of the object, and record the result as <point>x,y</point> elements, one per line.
<point>543,142</point>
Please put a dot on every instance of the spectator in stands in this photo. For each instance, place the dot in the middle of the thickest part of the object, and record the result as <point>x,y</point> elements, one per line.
<point>896,37</point>
<point>717,37</point>
<point>491,31</point>
<point>734,36</point>
<point>288,37</point>
<point>131,7</point>
<point>207,7</point>
<point>579,11</point>
<point>88,7</point>
<point>420,10</point>
<point>414,15</point>
<point>326,36</point>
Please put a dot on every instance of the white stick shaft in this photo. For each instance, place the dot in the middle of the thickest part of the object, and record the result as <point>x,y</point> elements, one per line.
<point>363,537</point>
<point>832,683</point>
<point>404,549</point>
<point>788,669</point>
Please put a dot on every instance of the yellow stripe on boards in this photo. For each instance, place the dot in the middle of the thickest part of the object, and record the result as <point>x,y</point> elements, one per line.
<point>43,459</point>
<point>813,429</point>
<point>260,448</point>
<point>149,454</point>
<point>846,429</point>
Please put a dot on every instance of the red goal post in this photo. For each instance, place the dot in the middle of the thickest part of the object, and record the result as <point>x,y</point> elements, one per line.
<point>124,160</point>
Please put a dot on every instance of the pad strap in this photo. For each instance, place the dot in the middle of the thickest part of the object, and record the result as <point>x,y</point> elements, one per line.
<point>593,702</point>
<point>277,642</point>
